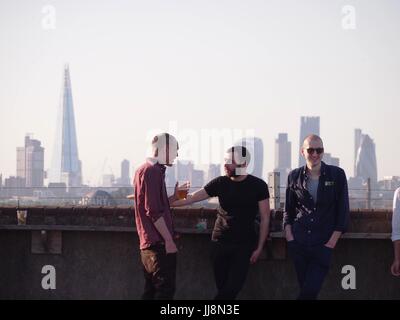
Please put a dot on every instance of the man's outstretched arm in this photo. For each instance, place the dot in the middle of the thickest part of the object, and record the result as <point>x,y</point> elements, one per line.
<point>197,196</point>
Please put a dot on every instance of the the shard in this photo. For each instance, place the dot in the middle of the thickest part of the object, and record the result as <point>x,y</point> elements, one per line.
<point>66,165</point>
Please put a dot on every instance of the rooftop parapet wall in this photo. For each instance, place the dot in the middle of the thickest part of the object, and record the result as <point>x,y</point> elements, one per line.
<point>94,251</point>
<point>187,220</point>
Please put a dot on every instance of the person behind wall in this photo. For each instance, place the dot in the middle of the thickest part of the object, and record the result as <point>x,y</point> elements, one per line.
<point>234,241</point>
<point>316,214</point>
<point>154,222</point>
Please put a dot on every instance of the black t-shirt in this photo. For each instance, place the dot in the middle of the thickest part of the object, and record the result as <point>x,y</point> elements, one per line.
<point>238,208</point>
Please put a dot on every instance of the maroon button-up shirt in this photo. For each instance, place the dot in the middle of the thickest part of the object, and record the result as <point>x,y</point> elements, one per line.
<point>151,202</point>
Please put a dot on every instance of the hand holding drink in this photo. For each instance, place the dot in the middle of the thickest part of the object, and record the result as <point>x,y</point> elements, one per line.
<point>183,190</point>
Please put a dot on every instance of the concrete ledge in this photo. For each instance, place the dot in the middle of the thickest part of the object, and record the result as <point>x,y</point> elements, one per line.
<point>358,235</point>
<point>94,251</point>
<point>367,223</point>
<point>90,228</point>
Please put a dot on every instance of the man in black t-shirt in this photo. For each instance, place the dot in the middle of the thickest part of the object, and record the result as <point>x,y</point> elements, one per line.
<point>241,197</point>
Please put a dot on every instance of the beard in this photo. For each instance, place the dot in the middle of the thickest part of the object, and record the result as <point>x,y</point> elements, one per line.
<point>231,173</point>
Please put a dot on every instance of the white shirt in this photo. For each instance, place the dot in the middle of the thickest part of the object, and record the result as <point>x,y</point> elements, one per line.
<point>396,216</point>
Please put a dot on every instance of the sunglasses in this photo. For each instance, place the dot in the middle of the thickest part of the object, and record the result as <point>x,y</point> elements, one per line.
<point>318,150</point>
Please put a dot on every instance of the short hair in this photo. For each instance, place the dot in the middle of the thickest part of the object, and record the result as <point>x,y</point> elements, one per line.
<point>163,139</point>
<point>241,152</point>
<point>312,137</point>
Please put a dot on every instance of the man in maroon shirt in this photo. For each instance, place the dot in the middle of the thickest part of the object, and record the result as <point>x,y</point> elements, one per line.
<point>154,221</point>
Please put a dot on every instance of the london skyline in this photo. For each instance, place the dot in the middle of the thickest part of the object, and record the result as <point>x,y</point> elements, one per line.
<point>252,72</point>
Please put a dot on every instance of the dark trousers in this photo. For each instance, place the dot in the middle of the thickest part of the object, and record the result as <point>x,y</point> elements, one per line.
<point>231,264</point>
<point>159,271</point>
<point>312,265</point>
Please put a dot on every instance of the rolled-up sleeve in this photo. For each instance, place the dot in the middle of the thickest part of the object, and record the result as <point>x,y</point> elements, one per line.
<point>290,210</point>
<point>396,216</point>
<point>153,194</point>
<point>343,207</point>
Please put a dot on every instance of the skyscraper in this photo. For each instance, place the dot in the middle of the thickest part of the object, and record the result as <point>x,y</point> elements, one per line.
<point>256,148</point>
<point>125,173</point>
<point>30,163</point>
<point>66,164</point>
<point>308,125</point>
<point>357,144</point>
<point>366,165</point>
<point>283,157</point>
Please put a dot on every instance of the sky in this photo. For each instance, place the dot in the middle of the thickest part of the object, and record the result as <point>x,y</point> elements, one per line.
<point>200,66</point>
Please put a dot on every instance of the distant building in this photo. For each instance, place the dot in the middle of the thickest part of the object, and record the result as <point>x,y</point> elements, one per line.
<point>125,179</point>
<point>184,170</point>
<point>357,143</point>
<point>366,168</point>
<point>98,198</point>
<point>125,173</point>
<point>328,159</point>
<point>66,165</point>
<point>366,164</point>
<point>14,186</point>
<point>30,163</point>
<point>387,187</point>
<point>283,157</point>
<point>58,190</point>
<point>179,172</point>
<point>390,183</point>
<point>308,125</point>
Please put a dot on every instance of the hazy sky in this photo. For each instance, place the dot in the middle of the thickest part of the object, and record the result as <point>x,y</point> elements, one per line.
<point>206,64</point>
